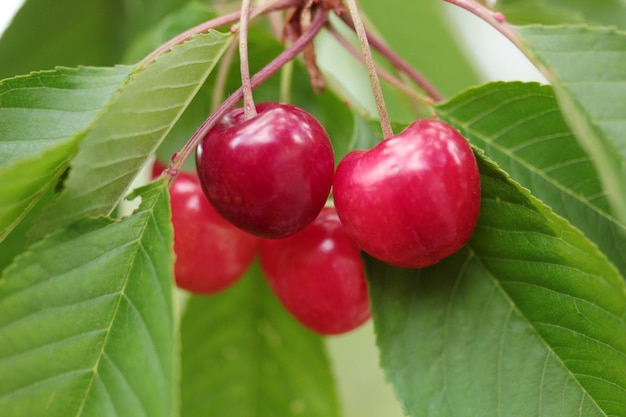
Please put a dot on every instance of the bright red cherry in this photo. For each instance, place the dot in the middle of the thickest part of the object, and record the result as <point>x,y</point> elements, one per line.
<point>269,175</point>
<point>319,276</point>
<point>414,198</point>
<point>211,253</point>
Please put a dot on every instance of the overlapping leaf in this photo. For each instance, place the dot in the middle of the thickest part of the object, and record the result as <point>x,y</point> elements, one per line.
<point>41,118</point>
<point>528,320</point>
<point>121,140</point>
<point>587,68</point>
<point>86,319</point>
<point>520,127</point>
<point>242,352</point>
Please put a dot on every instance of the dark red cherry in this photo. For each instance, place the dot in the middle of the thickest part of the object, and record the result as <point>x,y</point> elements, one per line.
<point>157,168</point>
<point>211,253</point>
<point>414,198</point>
<point>270,175</point>
<point>319,276</point>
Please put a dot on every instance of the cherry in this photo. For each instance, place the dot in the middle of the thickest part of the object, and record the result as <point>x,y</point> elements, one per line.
<point>414,198</point>
<point>319,276</point>
<point>269,175</point>
<point>211,253</point>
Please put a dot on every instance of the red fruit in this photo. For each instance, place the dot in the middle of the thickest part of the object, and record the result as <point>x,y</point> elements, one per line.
<point>319,276</point>
<point>269,175</point>
<point>211,253</point>
<point>414,198</point>
<point>157,168</point>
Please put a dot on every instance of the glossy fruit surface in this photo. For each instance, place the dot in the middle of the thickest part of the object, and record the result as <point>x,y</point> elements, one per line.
<point>414,198</point>
<point>269,175</point>
<point>319,276</point>
<point>211,253</point>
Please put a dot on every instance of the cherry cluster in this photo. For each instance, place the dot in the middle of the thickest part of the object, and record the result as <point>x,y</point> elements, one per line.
<point>410,201</point>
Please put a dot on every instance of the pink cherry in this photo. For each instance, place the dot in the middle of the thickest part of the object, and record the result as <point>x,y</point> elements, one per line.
<point>414,198</point>
<point>318,275</point>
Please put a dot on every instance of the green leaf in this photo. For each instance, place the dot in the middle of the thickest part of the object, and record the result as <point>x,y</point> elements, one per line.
<point>86,319</point>
<point>606,12</point>
<point>174,23</point>
<point>41,118</point>
<point>521,128</point>
<point>17,241</point>
<point>587,68</point>
<point>75,32</point>
<point>66,32</point>
<point>242,352</point>
<point>418,31</point>
<point>120,142</point>
<point>529,319</point>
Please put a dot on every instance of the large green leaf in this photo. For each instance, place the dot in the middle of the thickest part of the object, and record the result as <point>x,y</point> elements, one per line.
<point>242,352</point>
<point>41,118</point>
<point>121,140</point>
<point>520,127</point>
<point>587,68</point>
<point>86,319</point>
<point>606,12</point>
<point>529,319</point>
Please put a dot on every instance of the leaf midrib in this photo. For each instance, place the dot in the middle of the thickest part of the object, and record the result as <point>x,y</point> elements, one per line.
<point>108,329</point>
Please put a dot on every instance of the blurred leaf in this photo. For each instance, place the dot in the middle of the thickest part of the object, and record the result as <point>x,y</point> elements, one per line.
<point>86,319</point>
<point>529,319</point>
<point>119,143</point>
<point>605,12</point>
<point>520,127</point>
<point>242,352</point>
<point>186,17</point>
<point>76,32</point>
<point>587,68</point>
<point>419,32</point>
<point>41,120</point>
<point>63,32</point>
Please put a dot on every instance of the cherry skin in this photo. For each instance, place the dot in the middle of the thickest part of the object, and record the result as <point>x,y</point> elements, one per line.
<point>319,276</point>
<point>269,175</point>
<point>414,198</point>
<point>211,253</point>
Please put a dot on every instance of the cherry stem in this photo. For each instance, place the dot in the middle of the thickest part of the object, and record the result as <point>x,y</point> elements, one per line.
<point>385,124</point>
<point>399,63</point>
<point>395,82</point>
<point>249,109</point>
<point>318,22</point>
<point>218,22</point>
<point>495,19</point>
